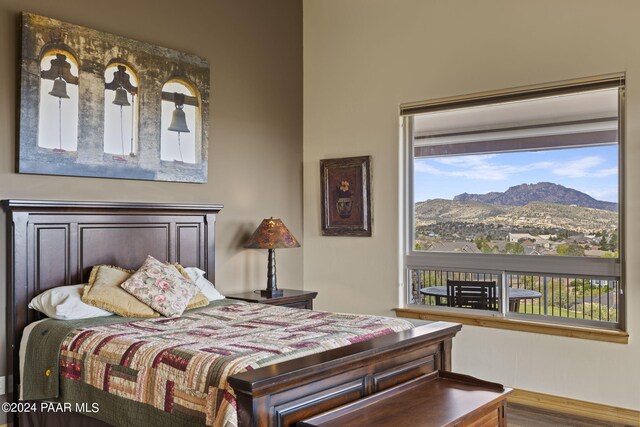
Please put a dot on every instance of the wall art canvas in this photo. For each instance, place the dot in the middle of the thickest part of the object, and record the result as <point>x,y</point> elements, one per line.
<point>346,196</point>
<point>101,105</point>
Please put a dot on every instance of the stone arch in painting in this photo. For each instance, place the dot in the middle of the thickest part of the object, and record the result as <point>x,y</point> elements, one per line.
<point>181,147</point>
<point>121,111</point>
<point>59,99</point>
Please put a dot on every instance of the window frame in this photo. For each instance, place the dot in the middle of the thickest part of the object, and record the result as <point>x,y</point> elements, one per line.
<point>520,264</point>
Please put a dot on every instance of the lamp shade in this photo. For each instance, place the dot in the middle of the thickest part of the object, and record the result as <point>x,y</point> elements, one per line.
<point>272,234</point>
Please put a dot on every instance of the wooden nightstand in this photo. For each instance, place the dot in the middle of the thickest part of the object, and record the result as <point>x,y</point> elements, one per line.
<point>290,298</point>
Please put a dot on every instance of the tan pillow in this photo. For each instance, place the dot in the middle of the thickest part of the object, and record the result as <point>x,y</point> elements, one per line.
<point>200,299</point>
<point>104,291</point>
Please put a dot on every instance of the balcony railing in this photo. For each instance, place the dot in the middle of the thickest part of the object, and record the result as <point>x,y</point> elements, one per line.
<point>577,299</point>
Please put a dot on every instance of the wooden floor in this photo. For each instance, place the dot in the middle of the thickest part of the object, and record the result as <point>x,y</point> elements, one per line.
<point>525,416</point>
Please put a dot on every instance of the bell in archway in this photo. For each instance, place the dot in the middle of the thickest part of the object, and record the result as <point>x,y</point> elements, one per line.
<point>59,89</point>
<point>179,121</point>
<point>121,98</point>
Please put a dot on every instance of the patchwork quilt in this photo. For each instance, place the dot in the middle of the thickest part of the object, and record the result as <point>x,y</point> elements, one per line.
<point>180,365</point>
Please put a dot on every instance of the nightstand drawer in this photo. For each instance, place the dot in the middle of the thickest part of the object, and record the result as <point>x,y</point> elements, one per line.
<point>306,304</point>
<point>290,298</point>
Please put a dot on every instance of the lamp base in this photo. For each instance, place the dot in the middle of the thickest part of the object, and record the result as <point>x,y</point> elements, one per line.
<point>270,293</point>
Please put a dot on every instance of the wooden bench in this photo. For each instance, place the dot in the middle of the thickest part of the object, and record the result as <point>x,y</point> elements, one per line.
<point>434,400</point>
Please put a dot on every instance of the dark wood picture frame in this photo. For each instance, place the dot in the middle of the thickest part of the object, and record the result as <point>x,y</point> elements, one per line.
<point>346,196</point>
<point>65,134</point>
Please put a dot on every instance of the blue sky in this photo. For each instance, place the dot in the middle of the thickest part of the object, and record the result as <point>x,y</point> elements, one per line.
<point>592,170</point>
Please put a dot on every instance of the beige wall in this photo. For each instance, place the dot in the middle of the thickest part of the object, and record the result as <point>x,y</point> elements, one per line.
<point>254,50</point>
<point>363,58</point>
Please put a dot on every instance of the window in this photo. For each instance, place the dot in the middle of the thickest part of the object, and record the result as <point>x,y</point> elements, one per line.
<point>180,138</point>
<point>120,112</point>
<point>58,109</point>
<point>518,190</point>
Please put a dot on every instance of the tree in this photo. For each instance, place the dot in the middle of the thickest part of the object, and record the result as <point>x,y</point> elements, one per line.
<point>482,243</point>
<point>570,250</point>
<point>479,241</point>
<point>600,312</point>
<point>613,241</point>
<point>603,244</point>
<point>562,297</point>
<point>531,282</point>
<point>581,287</point>
<point>514,248</point>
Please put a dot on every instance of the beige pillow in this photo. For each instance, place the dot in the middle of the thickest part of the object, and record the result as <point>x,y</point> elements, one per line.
<point>200,299</point>
<point>104,291</point>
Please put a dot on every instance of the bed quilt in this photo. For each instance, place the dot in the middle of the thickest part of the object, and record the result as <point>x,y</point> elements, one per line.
<point>179,366</point>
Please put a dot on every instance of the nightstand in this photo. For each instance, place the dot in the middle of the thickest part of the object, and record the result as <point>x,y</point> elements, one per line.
<point>289,298</point>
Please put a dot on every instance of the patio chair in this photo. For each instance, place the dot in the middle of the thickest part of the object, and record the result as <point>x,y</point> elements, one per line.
<point>472,294</point>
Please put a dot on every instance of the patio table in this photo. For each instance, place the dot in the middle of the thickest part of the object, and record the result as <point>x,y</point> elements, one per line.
<point>515,295</point>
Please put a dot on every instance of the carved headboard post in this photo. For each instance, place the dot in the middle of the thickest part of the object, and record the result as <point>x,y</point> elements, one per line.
<point>55,243</point>
<point>210,249</point>
<point>17,223</point>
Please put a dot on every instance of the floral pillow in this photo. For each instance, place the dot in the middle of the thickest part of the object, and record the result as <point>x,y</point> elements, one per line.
<point>161,287</point>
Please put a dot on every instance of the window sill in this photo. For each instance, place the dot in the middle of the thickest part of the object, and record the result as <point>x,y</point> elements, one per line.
<point>619,337</point>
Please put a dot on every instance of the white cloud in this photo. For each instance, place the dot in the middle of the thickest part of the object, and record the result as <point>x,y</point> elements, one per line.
<point>605,172</point>
<point>542,165</point>
<point>608,193</point>
<point>578,168</point>
<point>484,167</point>
<point>463,161</point>
<point>471,169</point>
<point>422,167</point>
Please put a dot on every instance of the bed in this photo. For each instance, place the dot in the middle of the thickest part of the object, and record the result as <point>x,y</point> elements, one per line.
<point>53,243</point>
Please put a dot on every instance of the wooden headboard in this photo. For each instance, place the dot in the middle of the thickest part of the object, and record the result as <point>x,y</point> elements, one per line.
<point>54,243</point>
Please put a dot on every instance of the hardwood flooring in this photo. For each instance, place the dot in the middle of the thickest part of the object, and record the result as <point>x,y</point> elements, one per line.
<point>526,416</point>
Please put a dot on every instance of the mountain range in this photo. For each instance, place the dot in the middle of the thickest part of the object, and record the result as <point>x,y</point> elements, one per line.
<point>542,206</point>
<point>545,192</point>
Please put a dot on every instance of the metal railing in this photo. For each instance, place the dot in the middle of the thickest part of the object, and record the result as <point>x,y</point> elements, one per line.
<point>549,296</point>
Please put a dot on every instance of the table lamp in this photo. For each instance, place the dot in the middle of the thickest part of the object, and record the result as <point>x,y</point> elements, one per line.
<point>271,234</point>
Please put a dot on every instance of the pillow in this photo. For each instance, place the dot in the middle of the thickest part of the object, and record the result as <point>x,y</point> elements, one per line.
<point>64,303</point>
<point>205,286</point>
<point>194,272</point>
<point>161,287</point>
<point>103,291</point>
<point>109,296</point>
<point>198,300</point>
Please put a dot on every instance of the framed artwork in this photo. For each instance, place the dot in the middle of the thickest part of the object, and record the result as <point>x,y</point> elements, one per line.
<point>346,196</point>
<point>101,105</point>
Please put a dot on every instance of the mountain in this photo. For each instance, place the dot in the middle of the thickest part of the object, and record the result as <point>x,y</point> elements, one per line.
<point>545,192</point>
<point>556,215</point>
<point>535,215</point>
<point>441,210</point>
